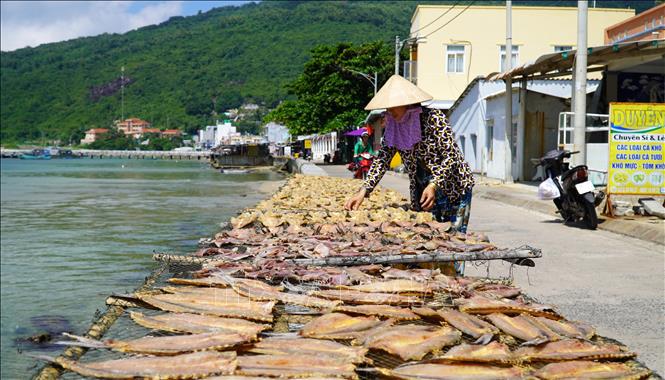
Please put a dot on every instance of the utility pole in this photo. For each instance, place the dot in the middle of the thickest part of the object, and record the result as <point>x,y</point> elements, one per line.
<point>122,93</point>
<point>398,47</point>
<point>508,133</point>
<point>579,106</point>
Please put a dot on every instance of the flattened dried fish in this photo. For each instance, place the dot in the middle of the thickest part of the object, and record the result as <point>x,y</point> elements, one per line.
<point>306,346</point>
<point>453,372</point>
<point>258,290</point>
<point>494,352</point>
<point>572,349</point>
<point>524,327</point>
<point>482,305</point>
<point>569,329</point>
<point>412,342</point>
<point>295,366</point>
<point>337,326</point>
<point>590,370</point>
<point>195,323</point>
<point>393,286</point>
<point>187,366</point>
<point>233,308</point>
<point>355,297</point>
<point>396,313</point>
<point>469,325</point>
<point>165,345</point>
<point>204,281</point>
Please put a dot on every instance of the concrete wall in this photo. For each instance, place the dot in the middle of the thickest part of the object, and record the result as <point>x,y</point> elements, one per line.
<point>300,166</point>
<point>481,30</point>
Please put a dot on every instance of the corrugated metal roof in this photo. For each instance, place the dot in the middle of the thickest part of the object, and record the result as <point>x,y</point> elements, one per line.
<point>561,62</point>
<point>557,88</point>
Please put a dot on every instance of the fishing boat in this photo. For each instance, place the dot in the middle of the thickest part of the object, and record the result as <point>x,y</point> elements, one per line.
<point>36,154</point>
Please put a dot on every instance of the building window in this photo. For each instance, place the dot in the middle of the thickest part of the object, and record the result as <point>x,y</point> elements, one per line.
<point>455,58</point>
<point>514,57</point>
<point>462,144</point>
<point>560,48</point>
<point>489,138</point>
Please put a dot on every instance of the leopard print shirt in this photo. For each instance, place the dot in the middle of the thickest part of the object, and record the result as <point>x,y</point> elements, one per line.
<point>437,150</point>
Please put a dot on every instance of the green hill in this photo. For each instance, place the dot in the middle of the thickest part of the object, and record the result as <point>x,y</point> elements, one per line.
<point>178,72</point>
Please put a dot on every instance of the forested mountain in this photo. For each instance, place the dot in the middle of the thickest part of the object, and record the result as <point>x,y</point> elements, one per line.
<point>180,71</point>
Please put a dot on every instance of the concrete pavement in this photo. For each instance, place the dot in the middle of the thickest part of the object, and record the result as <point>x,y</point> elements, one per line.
<point>612,281</point>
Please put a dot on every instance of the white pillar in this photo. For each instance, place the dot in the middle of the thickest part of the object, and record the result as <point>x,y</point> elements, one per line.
<point>579,117</point>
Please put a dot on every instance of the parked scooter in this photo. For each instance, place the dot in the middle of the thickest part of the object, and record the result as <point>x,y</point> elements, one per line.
<point>576,198</point>
<point>361,168</point>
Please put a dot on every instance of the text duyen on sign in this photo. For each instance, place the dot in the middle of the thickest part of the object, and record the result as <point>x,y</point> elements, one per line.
<point>636,140</point>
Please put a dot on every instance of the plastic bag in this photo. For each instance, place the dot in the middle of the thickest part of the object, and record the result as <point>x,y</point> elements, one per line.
<point>548,190</point>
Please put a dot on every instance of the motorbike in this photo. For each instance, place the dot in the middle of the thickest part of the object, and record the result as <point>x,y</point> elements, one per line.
<point>361,168</point>
<point>577,198</point>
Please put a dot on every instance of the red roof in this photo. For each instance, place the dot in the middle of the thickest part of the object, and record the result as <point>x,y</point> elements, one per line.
<point>97,130</point>
<point>171,132</point>
<point>151,130</point>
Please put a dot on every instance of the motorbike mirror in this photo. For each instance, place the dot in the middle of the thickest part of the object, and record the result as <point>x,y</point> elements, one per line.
<point>575,152</point>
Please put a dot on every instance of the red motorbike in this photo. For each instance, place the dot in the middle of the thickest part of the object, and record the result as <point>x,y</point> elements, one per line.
<point>361,168</point>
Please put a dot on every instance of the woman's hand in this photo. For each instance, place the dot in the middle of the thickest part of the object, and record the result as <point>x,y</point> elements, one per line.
<point>428,197</point>
<point>355,201</point>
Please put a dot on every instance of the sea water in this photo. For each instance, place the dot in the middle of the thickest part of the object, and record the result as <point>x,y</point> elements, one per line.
<point>75,231</point>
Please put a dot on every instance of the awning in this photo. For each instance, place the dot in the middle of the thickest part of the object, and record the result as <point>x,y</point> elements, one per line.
<point>561,63</point>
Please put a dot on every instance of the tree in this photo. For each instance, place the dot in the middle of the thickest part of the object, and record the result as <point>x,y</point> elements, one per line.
<point>330,94</point>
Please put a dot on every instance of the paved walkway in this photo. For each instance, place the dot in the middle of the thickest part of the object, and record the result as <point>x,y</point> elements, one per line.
<point>615,282</point>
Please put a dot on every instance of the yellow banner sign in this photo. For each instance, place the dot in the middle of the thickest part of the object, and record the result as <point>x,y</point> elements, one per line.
<point>636,140</point>
<point>308,144</point>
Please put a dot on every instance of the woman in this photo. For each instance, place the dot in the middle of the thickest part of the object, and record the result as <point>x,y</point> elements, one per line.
<point>440,180</point>
<point>362,146</point>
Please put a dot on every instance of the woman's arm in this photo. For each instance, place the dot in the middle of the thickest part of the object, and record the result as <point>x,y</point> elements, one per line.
<point>379,167</point>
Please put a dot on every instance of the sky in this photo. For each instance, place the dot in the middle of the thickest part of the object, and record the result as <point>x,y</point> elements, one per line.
<point>32,23</point>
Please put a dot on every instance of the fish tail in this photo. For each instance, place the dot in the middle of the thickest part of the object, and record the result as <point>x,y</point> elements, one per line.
<point>484,339</point>
<point>81,342</point>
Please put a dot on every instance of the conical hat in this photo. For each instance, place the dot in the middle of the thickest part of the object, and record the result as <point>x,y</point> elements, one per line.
<point>397,92</point>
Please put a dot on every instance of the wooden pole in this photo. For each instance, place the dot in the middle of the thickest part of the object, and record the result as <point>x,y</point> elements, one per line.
<point>524,252</point>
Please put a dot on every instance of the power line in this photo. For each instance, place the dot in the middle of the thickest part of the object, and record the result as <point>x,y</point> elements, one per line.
<point>438,18</point>
<point>451,20</point>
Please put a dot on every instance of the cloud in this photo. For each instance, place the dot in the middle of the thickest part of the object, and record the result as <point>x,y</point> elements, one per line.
<point>31,23</point>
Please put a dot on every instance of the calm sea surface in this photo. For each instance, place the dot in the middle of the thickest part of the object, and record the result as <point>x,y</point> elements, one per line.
<point>75,231</point>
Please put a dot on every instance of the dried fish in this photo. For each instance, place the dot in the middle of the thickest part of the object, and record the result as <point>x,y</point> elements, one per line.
<point>258,290</point>
<point>356,297</point>
<point>494,352</point>
<point>412,342</point>
<point>394,286</point>
<point>165,345</point>
<point>195,323</point>
<point>295,366</point>
<point>569,329</point>
<point>306,346</point>
<point>187,366</point>
<point>453,372</point>
<point>337,326</point>
<point>572,349</point>
<point>590,370</point>
<point>469,324</point>
<point>524,327</point>
<point>240,307</point>
<point>482,305</point>
<point>386,311</point>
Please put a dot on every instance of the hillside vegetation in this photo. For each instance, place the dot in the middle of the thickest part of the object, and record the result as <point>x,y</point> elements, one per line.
<point>178,73</point>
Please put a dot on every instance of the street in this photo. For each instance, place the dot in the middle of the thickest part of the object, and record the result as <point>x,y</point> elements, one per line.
<point>611,281</point>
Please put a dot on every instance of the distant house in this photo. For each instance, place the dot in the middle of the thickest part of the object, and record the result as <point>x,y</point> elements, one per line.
<point>133,127</point>
<point>92,135</point>
<point>171,133</point>
<point>646,26</point>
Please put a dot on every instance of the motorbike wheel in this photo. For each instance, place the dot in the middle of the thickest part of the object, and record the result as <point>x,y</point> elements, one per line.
<point>590,217</point>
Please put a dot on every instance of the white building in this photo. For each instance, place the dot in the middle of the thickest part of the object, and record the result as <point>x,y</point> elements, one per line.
<point>322,144</point>
<point>218,134</point>
<point>478,122</point>
<point>277,133</point>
